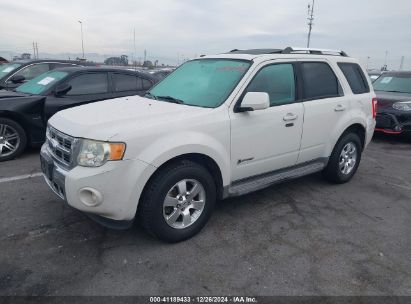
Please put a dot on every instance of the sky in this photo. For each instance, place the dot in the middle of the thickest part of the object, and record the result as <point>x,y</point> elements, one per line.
<point>171,30</point>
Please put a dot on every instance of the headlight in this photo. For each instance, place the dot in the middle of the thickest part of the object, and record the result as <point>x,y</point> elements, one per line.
<point>96,153</point>
<point>402,106</point>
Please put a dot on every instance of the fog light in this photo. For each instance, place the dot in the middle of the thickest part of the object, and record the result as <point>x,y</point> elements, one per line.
<point>90,197</point>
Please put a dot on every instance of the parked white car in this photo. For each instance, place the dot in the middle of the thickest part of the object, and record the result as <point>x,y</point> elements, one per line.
<point>217,127</point>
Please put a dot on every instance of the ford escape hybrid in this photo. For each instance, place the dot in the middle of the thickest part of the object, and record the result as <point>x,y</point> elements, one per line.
<point>217,127</point>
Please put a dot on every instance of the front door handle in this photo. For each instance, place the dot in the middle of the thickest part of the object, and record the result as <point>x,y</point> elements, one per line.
<point>339,108</point>
<point>290,117</point>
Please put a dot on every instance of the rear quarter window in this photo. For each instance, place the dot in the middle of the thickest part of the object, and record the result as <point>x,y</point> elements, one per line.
<point>355,77</point>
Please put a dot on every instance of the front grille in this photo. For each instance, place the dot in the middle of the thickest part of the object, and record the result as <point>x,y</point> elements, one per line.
<point>60,146</point>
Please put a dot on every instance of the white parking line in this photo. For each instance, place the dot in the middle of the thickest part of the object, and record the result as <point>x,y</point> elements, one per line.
<point>15,178</point>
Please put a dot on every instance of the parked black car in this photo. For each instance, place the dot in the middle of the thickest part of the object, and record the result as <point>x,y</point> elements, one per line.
<point>393,91</point>
<point>25,111</point>
<point>15,73</point>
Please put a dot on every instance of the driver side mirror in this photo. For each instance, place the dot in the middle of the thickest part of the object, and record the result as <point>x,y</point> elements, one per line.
<point>253,101</point>
<point>17,79</point>
<point>62,90</point>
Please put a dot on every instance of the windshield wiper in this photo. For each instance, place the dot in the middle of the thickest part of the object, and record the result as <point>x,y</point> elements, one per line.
<point>171,99</point>
<point>150,95</point>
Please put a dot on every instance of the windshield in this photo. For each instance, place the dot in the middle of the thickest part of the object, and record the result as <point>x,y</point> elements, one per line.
<point>393,83</point>
<point>7,68</point>
<point>41,83</point>
<point>203,83</point>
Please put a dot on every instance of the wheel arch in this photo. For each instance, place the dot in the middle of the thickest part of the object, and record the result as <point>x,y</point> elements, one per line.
<point>199,158</point>
<point>354,127</point>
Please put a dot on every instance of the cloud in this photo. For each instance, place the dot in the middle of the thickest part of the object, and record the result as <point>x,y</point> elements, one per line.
<point>170,27</point>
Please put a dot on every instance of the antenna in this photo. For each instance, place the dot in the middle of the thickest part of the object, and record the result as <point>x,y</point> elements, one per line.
<point>310,22</point>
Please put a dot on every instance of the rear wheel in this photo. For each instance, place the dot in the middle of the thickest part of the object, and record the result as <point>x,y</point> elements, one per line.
<point>345,159</point>
<point>13,139</point>
<point>178,201</point>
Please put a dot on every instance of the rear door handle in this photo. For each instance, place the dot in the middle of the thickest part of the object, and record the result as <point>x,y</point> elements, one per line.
<point>339,108</point>
<point>290,117</point>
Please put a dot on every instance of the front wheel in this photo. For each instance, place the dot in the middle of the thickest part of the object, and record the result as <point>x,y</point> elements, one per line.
<point>178,201</point>
<point>344,160</point>
<point>13,139</point>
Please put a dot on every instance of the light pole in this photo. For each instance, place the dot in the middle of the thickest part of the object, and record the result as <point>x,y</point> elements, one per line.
<point>82,43</point>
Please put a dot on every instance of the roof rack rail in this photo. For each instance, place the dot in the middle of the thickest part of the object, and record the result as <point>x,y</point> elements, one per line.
<point>312,51</point>
<point>256,51</point>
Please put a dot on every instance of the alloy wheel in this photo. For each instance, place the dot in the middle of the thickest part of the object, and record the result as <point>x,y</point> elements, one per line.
<point>9,140</point>
<point>184,203</point>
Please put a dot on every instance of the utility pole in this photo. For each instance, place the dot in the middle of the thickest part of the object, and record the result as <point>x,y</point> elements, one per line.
<point>135,53</point>
<point>402,63</point>
<point>368,62</point>
<point>34,51</point>
<point>310,22</point>
<point>145,56</point>
<point>82,42</point>
<point>37,50</point>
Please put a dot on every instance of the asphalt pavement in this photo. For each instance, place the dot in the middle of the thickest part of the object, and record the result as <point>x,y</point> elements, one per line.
<point>305,237</point>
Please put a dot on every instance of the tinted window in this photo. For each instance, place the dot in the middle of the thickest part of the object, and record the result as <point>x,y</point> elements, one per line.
<point>123,82</point>
<point>276,80</point>
<point>355,77</point>
<point>147,84</point>
<point>89,84</point>
<point>34,70</point>
<point>319,80</point>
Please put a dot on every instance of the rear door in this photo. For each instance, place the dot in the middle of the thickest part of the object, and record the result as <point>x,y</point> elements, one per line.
<point>127,84</point>
<point>85,88</point>
<point>324,106</point>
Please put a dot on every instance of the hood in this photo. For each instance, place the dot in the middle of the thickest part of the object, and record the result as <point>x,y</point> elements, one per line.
<point>106,119</point>
<point>386,99</point>
<point>8,94</point>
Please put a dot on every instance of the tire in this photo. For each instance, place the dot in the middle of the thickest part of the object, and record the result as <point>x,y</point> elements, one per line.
<point>13,139</point>
<point>340,168</point>
<point>162,199</point>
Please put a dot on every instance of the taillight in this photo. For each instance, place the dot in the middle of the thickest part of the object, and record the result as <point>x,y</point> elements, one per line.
<point>374,107</point>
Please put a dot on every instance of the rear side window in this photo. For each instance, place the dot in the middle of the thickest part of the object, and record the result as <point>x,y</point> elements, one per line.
<point>278,81</point>
<point>93,83</point>
<point>124,82</point>
<point>319,81</point>
<point>355,77</point>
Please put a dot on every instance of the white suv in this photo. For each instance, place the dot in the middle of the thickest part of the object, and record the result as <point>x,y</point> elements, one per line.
<point>217,127</point>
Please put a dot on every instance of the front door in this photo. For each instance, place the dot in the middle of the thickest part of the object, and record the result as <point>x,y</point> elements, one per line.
<point>268,140</point>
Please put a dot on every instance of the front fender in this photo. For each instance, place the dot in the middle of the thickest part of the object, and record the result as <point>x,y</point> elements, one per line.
<point>169,146</point>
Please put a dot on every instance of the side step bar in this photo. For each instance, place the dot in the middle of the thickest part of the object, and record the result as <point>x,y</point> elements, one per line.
<point>265,180</point>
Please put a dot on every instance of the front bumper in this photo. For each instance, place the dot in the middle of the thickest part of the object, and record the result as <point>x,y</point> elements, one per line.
<point>393,123</point>
<point>117,185</point>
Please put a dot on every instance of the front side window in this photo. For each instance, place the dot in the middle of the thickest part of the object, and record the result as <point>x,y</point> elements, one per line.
<point>400,83</point>
<point>202,82</point>
<point>319,81</point>
<point>355,77</point>
<point>33,71</point>
<point>278,81</point>
<point>42,83</point>
<point>7,68</point>
<point>93,83</point>
<point>123,82</point>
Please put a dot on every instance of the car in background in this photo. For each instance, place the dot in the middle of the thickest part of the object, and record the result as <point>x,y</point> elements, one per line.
<point>393,91</point>
<point>25,111</point>
<point>161,74</point>
<point>16,73</point>
<point>374,75</point>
